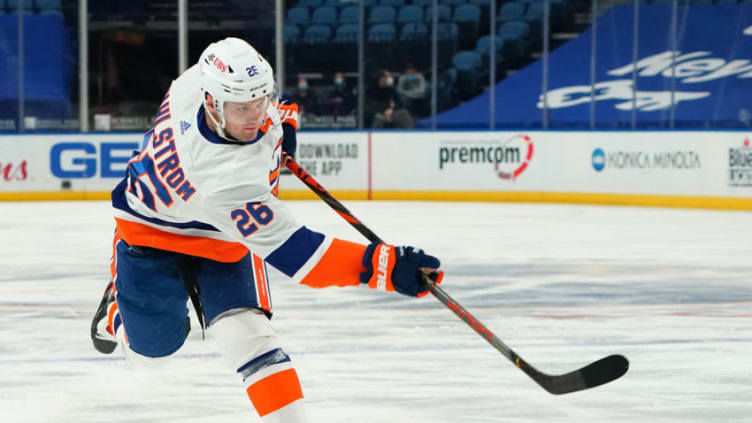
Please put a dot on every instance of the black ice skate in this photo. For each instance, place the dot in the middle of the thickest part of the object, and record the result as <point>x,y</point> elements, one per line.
<point>102,336</point>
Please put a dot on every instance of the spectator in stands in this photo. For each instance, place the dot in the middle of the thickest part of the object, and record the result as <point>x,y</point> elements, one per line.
<point>411,90</point>
<point>342,99</point>
<point>381,108</point>
<point>306,99</point>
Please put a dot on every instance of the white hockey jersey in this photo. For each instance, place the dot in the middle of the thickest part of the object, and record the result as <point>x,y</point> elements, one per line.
<point>190,191</point>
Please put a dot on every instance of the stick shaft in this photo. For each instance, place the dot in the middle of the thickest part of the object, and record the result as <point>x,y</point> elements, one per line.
<point>439,293</point>
<point>595,374</point>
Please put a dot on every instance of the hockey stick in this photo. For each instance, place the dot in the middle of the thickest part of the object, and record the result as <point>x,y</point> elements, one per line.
<point>594,374</point>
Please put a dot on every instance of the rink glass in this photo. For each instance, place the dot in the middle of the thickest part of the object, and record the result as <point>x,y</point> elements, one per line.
<point>105,65</point>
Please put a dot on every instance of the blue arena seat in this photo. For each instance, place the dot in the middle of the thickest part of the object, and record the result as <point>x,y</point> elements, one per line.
<point>393,3</point>
<point>448,33</point>
<point>339,3</point>
<point>347,33</point>
<point>346,40</point>
<point>315,53</point>
<point>297,16</point>
<point>414,31</point>
<point>381,46</point>
<point>413,45</point>
<point>483,47</point>
<point>324,15</point>
<point>467,17</point>
<point>310,3</point>
<point>452,2</point>
<point>382,33</point>
<point>382,14</point>
<point>317,34</point>
<point>534,19</point>
<point>27,5</point>
<point>48,5</point>
<point>291,34</point>
<point>445,13</point>
<point>534,12</point>
<point>513,11</point>
<point>467,13</point>
<point>467,64</point>
<point>448,30</point>
<point>422,3</point>
<point>485,11</point>
<point>410,14</point>
<point>513,36</point>
<point>466,60</point>
<point>349,15</point>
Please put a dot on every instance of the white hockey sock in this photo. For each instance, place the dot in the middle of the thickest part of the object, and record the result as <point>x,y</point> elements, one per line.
<point>250,347</point>
<point>275,389</point>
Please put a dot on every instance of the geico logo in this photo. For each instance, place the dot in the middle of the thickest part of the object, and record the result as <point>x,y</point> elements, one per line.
<point>81,159</point>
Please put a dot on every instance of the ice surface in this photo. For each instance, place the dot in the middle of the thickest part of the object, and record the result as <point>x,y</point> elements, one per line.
<point>562,285</point>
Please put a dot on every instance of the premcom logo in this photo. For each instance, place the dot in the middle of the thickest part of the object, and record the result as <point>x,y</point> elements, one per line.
<point>509,157</point>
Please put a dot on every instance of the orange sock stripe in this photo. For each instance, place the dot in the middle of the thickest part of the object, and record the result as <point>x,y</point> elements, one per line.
<point>275,391</point>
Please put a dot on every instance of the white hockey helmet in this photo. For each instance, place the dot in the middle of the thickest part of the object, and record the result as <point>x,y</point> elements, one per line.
<point>232,70</point>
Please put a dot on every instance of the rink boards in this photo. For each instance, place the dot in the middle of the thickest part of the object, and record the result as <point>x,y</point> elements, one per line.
<point>679,169</point>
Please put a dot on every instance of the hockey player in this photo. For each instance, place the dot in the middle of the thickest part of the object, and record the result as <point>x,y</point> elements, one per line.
<point>197,217</point>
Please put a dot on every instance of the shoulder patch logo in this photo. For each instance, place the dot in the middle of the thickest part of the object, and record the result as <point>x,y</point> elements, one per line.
<point>184,127</point>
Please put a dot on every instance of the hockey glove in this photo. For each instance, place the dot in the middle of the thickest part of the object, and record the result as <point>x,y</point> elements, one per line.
<point>289,116</point>
<point>289,140</point>
<point>390,268</point>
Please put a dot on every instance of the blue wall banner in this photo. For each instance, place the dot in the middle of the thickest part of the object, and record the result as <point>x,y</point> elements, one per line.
<point>705,82</point>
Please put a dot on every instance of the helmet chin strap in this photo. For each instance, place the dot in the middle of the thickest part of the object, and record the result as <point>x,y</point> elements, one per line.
<point>218,127</point>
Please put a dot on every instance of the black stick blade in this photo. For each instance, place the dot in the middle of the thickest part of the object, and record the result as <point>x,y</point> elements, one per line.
<point>594,374</point>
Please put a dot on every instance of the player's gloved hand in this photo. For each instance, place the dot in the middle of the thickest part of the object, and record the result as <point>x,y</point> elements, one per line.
<point>289,116</point>
<point>400,269</point>
<point>289,141</point>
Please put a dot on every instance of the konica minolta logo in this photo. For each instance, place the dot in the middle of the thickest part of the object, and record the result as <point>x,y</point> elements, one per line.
<point>598,159</point>
<point>740,165</point>
<point>645,160</point>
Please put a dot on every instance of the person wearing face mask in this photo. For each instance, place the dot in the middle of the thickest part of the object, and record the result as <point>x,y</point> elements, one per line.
<point>411,89</point>
<point>307,101</point>
<point>342,99</point>
<point>382,110</point>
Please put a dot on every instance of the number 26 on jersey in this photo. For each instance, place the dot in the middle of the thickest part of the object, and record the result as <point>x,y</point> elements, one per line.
<point>247,219</point>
